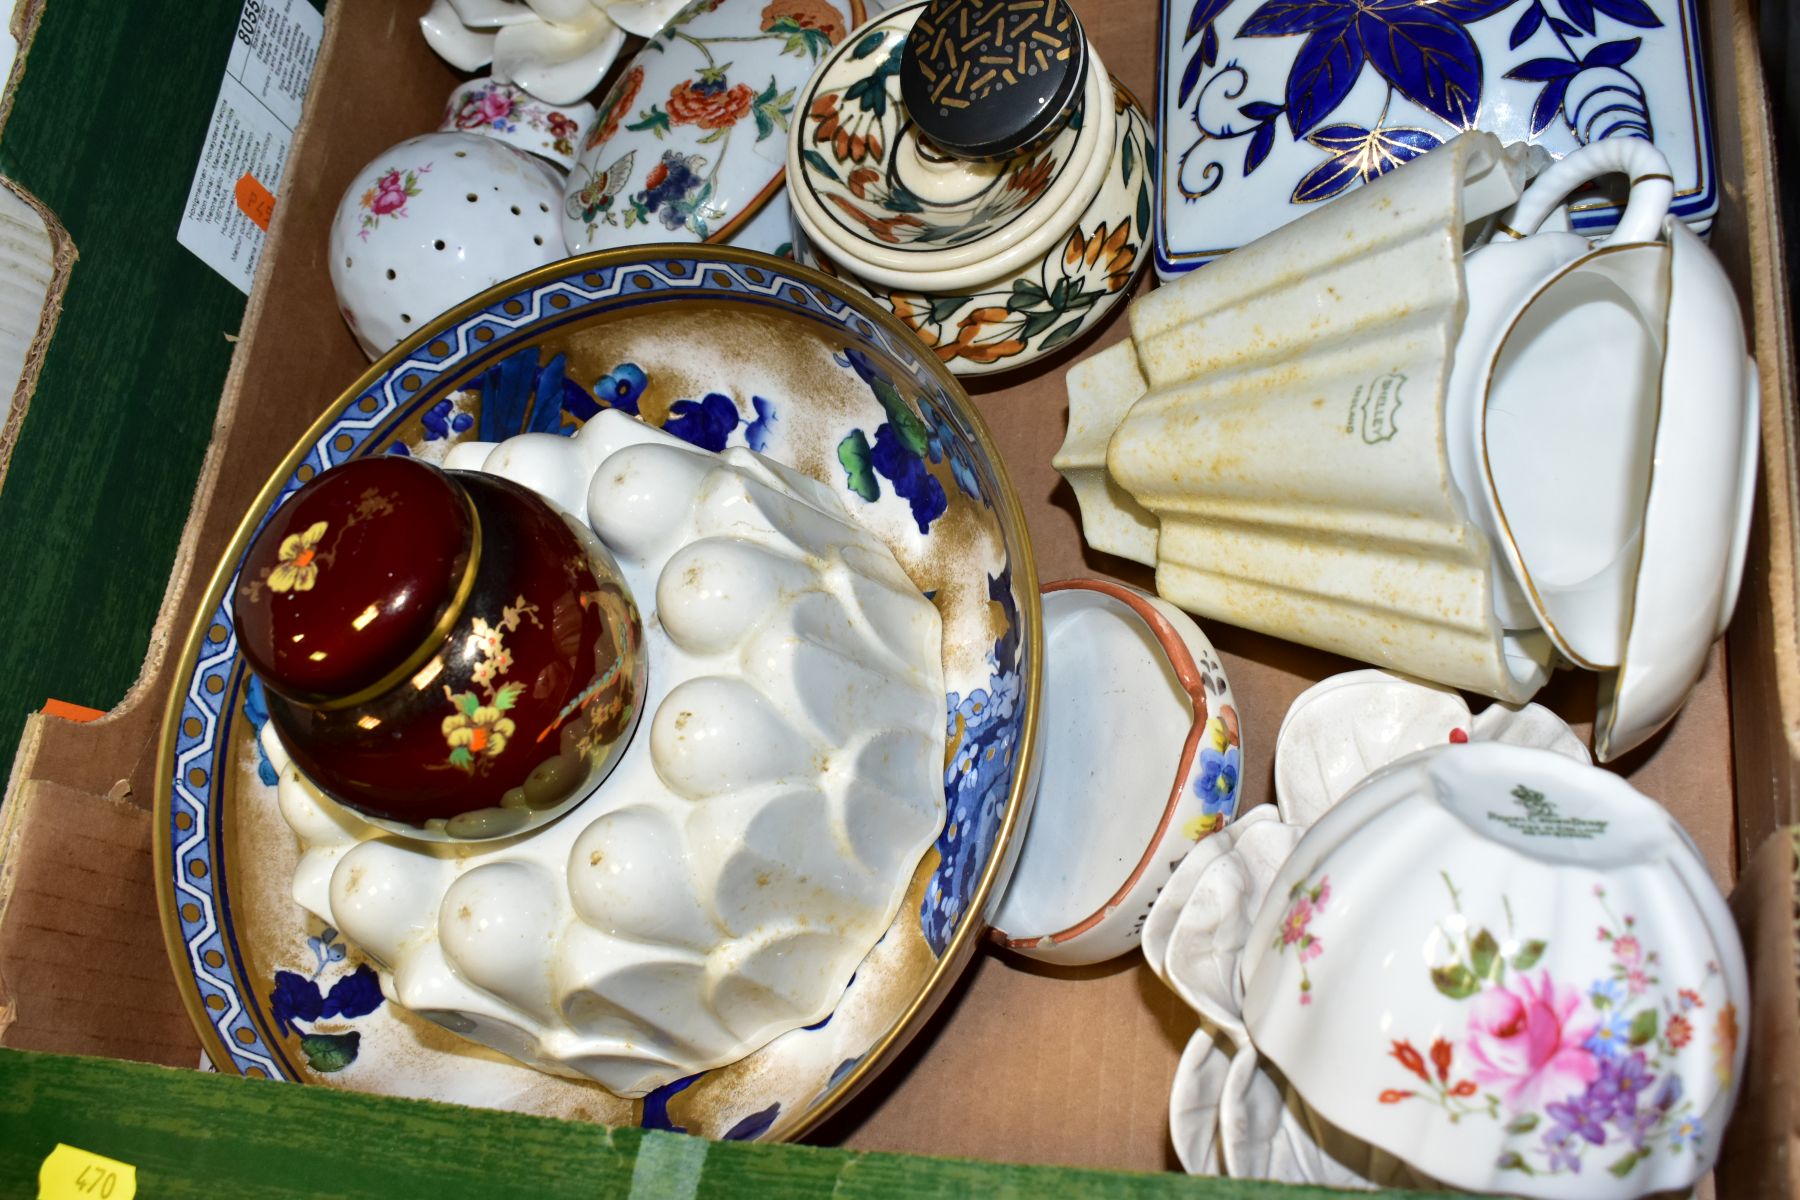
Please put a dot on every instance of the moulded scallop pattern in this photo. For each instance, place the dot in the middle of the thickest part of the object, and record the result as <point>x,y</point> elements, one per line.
<point>725,883</point>
<point>1276,427</point>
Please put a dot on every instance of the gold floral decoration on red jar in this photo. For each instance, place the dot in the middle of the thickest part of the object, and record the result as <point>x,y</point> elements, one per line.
<point>297,570</point>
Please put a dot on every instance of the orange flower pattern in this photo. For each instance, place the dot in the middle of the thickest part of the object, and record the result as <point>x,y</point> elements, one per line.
<point>618,102</point>
<point>709,103</point>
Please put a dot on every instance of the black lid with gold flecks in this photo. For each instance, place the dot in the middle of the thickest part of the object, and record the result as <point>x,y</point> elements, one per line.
<point>985,78</point>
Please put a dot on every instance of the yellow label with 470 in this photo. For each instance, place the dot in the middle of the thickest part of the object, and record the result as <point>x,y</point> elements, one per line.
<point>70,1173</point>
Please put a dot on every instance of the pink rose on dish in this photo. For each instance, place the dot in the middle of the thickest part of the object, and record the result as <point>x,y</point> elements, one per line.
<point>496,105</point>
<point>390,194</point>
<point>1628,950</point>
<point>1527,1042</point>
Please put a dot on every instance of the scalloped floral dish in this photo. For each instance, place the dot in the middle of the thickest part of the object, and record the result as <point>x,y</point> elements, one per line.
<point>790,368</point>
<point>1270,106</point>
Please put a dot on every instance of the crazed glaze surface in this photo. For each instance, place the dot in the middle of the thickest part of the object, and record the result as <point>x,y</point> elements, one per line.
<point>757,838</point>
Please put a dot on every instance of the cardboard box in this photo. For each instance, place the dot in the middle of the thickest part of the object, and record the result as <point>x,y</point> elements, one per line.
<point>1074,1065</point>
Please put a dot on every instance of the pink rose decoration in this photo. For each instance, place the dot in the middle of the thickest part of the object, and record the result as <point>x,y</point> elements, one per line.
<point>390,194</point>
<point>1527,1042</point>
<point>496,105</point>
<point>1628,950</point>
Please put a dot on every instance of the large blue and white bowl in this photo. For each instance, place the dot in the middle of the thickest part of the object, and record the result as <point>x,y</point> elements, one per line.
<point>719,347</point>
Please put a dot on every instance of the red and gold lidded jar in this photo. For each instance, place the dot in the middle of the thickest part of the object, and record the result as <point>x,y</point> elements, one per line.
<point>444,652</point>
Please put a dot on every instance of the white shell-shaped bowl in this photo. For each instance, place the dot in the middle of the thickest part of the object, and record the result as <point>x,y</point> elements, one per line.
<point>1509,970</point>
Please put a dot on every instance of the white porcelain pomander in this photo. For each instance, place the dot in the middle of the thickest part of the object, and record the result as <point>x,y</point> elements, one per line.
<point>431,222</point>
<point>759,834</point>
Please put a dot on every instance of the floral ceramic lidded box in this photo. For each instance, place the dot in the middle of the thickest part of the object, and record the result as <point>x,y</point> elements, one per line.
<point>690,142</point>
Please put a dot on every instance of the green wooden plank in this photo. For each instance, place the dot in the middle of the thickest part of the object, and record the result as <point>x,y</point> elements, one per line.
<point>106,130</point>
<point>194,1134</point>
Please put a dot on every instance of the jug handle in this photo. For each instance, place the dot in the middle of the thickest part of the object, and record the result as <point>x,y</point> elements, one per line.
<point>1652,189</point>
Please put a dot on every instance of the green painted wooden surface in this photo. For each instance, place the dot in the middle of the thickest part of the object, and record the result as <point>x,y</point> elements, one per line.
<point>189,1133</point>
<point>106,130</point>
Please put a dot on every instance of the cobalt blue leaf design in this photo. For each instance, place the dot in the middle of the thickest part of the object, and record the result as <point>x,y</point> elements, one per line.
<point>1431,61</point>
<point>1260,110</point>
<point>1612,54</point>
<point>1539,69</point>
<point>517,396</point>
<point>1190,77</point>
<point>295,998</point>
<point>256,711</point>
<point>1630,12</point>
<point>1526,26</point>
<point>355,995</point>
<point>656,1105</point>
<point>1261,142</point>
<point>1359,153</point>
<point>578,404</point>
<point>1543,110</point>
<point>910,477</point>
<point>1324,71</point>
<point>756,434</point>
<point>1563,27</point>
<point>754,1125</point>
<point>1204,14</point>
<point>1405,143</point>
<point>1209,45</point>
<point>1281,18</point>
<point>705,423</point>
<point>621,387</point>
<point>1581,12</point>
<point>555,393</point>
<point>1340,137</point>
<point>1327,179</point>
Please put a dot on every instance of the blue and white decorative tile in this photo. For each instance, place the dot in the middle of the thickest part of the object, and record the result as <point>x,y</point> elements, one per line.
<point>1268,107</point>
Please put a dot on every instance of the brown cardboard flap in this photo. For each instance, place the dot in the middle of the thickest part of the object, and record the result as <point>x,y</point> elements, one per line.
<point>82,967</point>
<point>1765,637</point>
<point>1760,1153</point>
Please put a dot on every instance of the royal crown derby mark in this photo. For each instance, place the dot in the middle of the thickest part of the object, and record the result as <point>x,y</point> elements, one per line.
<point>1373,408</point>
<point>1539,818</point>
